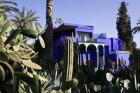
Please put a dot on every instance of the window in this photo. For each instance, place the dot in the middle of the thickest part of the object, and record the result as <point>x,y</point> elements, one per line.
<point>83,36</point>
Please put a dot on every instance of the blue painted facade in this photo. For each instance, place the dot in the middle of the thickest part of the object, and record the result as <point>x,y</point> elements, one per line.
<point>96,48</point>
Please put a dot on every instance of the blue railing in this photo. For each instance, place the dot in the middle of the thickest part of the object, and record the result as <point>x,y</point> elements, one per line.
<point>61,40</point>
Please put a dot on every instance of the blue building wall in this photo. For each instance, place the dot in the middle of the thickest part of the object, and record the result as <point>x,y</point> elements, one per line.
<point>113,43</point>
<point>123,56</point>
<point>85,34</point>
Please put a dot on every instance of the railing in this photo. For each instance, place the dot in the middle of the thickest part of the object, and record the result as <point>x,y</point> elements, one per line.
<point>78,39</point>
<point>61,40</point>
<point>101,35</point>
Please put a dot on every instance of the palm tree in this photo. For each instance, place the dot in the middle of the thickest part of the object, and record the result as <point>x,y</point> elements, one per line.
<point>49,31</point>
<point>137,28</point>
<point>136,51</point>
<point>24,18</point>
<point>7,6</point>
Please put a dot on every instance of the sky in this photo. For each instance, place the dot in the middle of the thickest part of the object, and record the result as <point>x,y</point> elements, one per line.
<point>98,13</point>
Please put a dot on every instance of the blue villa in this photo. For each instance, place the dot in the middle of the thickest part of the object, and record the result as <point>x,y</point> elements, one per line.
<point>96,48</point>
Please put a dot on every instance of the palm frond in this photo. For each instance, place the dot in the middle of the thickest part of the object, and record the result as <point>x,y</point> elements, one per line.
<point>136,29</point>
<point>31,13</point>
<point>30,16</point>
<point>7,2</point>
<point>24,18</point>
<point>138,22</point>
<point>5,8</point>
<point>23,13</point>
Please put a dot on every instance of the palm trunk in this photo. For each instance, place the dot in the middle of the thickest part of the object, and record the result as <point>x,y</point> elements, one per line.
<point>49,32</point>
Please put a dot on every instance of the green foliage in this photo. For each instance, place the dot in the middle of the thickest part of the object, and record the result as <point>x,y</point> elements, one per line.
<point>136,28</point>
<point>30,64</point>
<point>124,27</point>
<point>17,60</point>
<point>58,21</point>
<point>24,18</point>
<point>2,19</point>
<point>5,27</point>
<point>14,57</point>
<point>3,56</point>
<point>129,37</point>
<point>2,73</point>
<point>1,44</point>
<point>8,68</point>
<point>12,36</point>
<point>5,7</point>
<point>41,41</point>
<point>74,82</point>
<point>29,33</point>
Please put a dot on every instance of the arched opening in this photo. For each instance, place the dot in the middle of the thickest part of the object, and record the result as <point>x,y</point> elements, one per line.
<point>101,54</point>
<point>92,54</point>
<point>122,62</point>
<point>119,63</point>
<point>82,49</point>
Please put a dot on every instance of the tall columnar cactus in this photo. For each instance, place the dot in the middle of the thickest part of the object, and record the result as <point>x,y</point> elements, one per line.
<point>68,63</point>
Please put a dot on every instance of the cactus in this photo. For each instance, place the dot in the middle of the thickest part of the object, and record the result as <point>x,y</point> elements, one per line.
<point>29,33</point>
<point>3,56</point>
<point>74,82</point>
<point>12,36</point>
<point>1,43</point>
<point>41,41</point>
<point>9,67</point>
<point>5,27</point>
<point>2,73</point>
<point>14,57</point>
<point>33,82</point>
<point>30,64</point>
<point>68,64</point>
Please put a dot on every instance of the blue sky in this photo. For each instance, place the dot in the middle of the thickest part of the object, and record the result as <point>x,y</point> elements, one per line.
<point>99,13</point>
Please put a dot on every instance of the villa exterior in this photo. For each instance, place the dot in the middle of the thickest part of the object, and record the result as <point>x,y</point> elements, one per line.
<point>96,48</point>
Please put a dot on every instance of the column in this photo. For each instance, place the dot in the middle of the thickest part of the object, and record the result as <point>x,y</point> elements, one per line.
<point>103,57</point>
<point>97,52</point>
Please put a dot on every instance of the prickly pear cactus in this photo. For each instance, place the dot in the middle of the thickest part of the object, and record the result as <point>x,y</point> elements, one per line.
<point>68,62</point>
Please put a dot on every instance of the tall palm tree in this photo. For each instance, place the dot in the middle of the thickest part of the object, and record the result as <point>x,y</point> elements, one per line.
<point>7,6</point>
<point>49,31</point>
<point>135,30</point>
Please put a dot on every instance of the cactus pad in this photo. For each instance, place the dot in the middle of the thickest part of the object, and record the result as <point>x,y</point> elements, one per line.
<point>30,64</point>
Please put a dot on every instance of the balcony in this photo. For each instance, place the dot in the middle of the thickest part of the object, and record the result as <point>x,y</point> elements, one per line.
<point>79,39</point>
<point>61,40</point>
